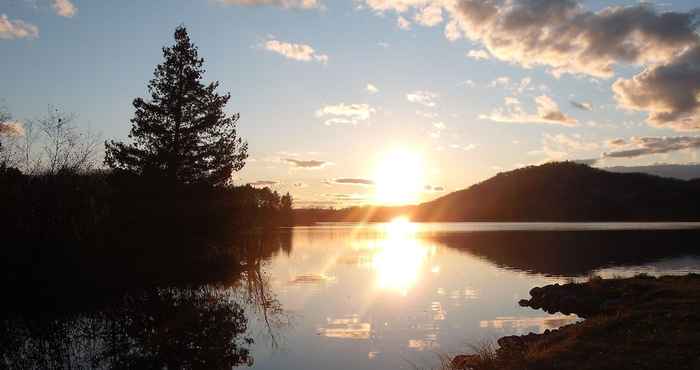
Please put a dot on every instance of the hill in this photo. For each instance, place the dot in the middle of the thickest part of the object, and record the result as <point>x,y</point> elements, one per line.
<point>558,191</point>
<point>567,191</point>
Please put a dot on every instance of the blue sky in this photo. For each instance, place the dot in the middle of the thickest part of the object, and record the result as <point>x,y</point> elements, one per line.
<point>469,115</point>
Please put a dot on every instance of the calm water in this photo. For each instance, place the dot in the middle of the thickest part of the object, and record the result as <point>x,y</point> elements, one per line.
<point>387,295</point>
<point>344,296</point>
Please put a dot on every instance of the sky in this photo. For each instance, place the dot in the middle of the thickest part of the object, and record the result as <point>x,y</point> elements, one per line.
<point>342,100</point>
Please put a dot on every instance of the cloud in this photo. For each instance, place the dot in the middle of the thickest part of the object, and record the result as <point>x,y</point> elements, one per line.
<point>565,37</point>
<point>353,181</point>
<point>434,189</point>
<point>429,16</point>
<point>478,54</point>
<point>669,92</point>
<point>582,105</point>
<point>301,52</point>
<point>426,98</point>
<point>547,112</point>
<point>500,81</point>
<point>430,115</point>
<point>371,89</point>
<point>345,113</point>
<point>306,164</point>
<point>655,145</point>
<point>287,4</point>
<point>263,183</point>
<point>560,146</point>
<point>352,197</point>
<point>403,23</point>
<point>64,8</point>
<point>11,128</point>
<point>616,143</point>
<point>16,29</point>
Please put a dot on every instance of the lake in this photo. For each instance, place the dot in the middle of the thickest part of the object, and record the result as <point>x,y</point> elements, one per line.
<point>347,296</point>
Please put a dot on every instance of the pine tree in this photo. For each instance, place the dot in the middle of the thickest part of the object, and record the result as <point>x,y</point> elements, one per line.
<point>182,132</point>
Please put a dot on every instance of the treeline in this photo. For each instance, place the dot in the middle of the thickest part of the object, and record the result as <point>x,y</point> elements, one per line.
<point>162,205</point>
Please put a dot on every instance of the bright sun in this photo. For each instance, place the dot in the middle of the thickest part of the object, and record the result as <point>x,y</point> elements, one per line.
<point>399,178</point>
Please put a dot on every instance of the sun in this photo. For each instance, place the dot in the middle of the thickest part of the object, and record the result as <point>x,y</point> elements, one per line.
<point>399,178</point>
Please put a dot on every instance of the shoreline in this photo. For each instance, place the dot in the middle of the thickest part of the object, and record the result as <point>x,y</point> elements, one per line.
<point>641,322</point>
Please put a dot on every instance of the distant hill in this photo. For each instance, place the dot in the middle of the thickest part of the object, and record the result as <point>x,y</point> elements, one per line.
<point>567,191</point>
<point>561,191</point>
<point>678,171</point>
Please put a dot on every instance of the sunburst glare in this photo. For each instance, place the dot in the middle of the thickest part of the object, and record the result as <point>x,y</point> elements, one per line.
<point>399,178</point>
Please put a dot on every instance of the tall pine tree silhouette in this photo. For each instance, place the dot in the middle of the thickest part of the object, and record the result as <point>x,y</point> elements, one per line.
<point>182,133</point>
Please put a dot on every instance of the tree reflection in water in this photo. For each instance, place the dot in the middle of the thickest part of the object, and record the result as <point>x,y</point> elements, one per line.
<point>199,327</point>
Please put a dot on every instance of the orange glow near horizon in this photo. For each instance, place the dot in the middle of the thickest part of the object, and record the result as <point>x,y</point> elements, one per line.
<point>399,178</point>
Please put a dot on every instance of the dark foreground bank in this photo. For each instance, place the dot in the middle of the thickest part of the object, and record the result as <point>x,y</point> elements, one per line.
<point>636,323</point>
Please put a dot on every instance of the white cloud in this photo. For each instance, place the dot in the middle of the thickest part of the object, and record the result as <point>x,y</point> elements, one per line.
<point>345,113</point>
<point>16,29</point>
<point>547,112</point>
<point>301,52</point>
<point>429,16</point>
<point>426,98</point>
<point>478,54</point>
<point>298,4</point>
<point>371,89</point>
<point>64,8</point>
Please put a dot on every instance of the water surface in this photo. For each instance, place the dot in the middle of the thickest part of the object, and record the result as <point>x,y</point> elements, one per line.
<point>346,296</point>
<point>390,296</point>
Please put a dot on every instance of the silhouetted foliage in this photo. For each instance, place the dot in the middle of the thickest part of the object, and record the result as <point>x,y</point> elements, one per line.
<point>182,132</point>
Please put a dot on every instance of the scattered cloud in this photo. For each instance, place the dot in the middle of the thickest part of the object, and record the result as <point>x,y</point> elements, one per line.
<point>430,115</point>
<point>403,23</point>
<point>426,98</point>
<point>371,89</point>
<point>429,16</point>
<point>639,146</point>
<point>434,189</point>
<point>345,113</point>
<point>500,81</point>
<point>346,197</point>
<point>301,52</point>
<point>561,146</point>
<point>11,128</point>
<point>547,112</point>
<point>287,4</point>
<point>16,29</point>
<point>306,164</point>
<point>565,37</point>
<point>478,54</point>
<point>353,181</point>
<point>64,8</point>
<point>582,105</point>
<point>263,183</point>
<point>616,143</point>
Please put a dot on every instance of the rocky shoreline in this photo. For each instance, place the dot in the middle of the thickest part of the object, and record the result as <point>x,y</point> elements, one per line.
<point>641,322</point>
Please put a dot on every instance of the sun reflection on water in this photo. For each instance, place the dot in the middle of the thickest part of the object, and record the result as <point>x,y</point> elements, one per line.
<point>399,256</point>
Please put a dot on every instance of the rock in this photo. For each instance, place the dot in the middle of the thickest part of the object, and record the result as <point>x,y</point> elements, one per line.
<point>466,362</point>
